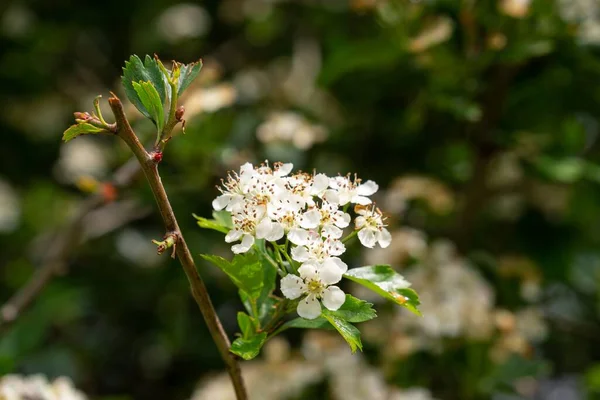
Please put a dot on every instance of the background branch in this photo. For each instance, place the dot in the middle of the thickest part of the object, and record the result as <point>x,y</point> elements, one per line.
<point>63,245</point>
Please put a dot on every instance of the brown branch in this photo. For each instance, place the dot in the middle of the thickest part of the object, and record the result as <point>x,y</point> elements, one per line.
<point>199,292</point>
<point>476,192</point>
<point>55,261</point>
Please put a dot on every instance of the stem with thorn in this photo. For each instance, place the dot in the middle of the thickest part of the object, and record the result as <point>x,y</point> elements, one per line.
<point>199,292</point>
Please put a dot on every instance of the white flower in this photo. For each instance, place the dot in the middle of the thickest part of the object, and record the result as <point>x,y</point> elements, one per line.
<point>320,252</point>
<point>284,212</point>
<point>250,222</point>
<point>348,191</point>
<point>371,229</point>
<point>315,284</point>
<point>307,186</point>
<point>235,189</point>
<point>329,217</point>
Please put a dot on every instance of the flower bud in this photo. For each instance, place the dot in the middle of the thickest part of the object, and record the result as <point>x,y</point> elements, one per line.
<point>179,113</point>
<point>84,116</point>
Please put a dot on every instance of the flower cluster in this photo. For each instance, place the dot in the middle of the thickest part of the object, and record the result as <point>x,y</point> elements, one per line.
<point>309,211</point>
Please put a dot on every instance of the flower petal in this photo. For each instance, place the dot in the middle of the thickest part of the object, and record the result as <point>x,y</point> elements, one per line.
<point>331,231</point>
<point>233,235</point>
<point>300,254</point>
<point>367,189</point>
<point>221,202</point>
<point>343,220</point>
<point>309,270</point>
<point>330,273</point>
<point>292,286</point>
<point>367,237</point>
<point>309,307</point>
<point>247,242</point>
<point>264,228</point>
<point>333,298</point>
<point>311,219</point>
<point>284,169</point>
<point>276,232</point>
<point>360,222</point>
<point>320,183</point>
<point>339,263</point>
<point>384,238</point>
<point>331,196</point>
<point>298,236</point>
<point>362,200</point>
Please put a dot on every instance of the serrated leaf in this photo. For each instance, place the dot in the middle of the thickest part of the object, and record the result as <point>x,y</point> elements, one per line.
<point>248,348</point>
<point>355,310</point>
<point>303,323</point>
<point>348,331</point>
<point>136,71</point>
<point>187,73</point>
<point>151,101</point>
<point>245,270</point>
<point>80,129</point>
<point>412,300</point>
<point>383,280</point>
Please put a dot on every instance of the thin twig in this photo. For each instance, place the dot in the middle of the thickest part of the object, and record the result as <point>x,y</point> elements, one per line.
<point>199,291</point>
<point>61,247</point>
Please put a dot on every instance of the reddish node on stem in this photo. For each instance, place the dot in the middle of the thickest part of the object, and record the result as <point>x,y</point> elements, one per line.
<point>157,156</point>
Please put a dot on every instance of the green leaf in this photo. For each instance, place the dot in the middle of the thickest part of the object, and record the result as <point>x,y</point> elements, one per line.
<point>224,218</point>
<point>355,310</point>
<point>187,73</point>
<point>566,170</point>
<point>246,325</point>
<point>303,323</point>
<point>210,224</point>
<point>248,348</point>
<point>245,270</point>
<point>383,280</point>
<point>221,221</point>
<point>80,129</point>
<point>412,300</point>
<point>148,71</point>
<point>348,331</point>
<point>151,101</point>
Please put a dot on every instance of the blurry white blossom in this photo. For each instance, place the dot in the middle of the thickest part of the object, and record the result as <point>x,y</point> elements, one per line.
<point>183,21</point>
<point>81,157</point>
<point>10,208</point>
<point>209,99</point>
<point>274,378</point>
<point>435,32</point>
<point>586,15</point>
<point>16,21</point>
<point>402,189</point>
<point>292,128</point>
<point>455,299</point>
<point>137,248</point>
<point>515,8</point>
<point>37,387</point>
<point>326,358</point>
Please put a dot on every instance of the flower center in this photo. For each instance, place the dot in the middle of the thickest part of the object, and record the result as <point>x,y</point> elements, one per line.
<point>315,287</point>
